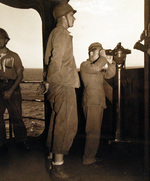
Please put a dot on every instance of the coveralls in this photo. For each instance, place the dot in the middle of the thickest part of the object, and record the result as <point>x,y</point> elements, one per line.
<point>63,79</point>
<point>10,63</point>
<point>93,76</point>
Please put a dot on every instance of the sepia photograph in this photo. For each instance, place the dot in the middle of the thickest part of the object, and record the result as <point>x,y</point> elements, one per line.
<point>74,90</point>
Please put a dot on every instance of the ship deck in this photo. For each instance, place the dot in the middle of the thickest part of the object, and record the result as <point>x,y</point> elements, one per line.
<point>119,162</point>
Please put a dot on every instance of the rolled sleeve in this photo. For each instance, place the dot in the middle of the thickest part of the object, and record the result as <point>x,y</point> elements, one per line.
<point>18,63</point>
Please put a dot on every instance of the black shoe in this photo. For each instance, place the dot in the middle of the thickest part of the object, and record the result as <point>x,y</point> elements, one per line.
<point>24,145</point>
<point>58,172</point>
<point>96,165</point>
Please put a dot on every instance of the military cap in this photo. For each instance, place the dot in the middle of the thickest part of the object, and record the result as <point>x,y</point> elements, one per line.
<point>95,45</point>
<point>4,34</point>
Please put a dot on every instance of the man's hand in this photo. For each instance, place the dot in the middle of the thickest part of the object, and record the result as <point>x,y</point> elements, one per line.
<point>102,53</point>
<point>109,58</point>
<point>7,94</point>
<point>43,88</point>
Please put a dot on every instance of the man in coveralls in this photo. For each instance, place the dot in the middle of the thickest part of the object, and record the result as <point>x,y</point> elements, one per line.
<point>62,77</point>
<point>93,73</point>
<point>11,74</point>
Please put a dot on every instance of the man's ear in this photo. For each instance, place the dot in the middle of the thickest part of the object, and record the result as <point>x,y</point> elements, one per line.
<point>91,53</point>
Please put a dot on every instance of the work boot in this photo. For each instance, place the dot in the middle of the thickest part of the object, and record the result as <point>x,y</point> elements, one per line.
<point>88,161</point>
<point>93,163</point>
<point>59,172</point>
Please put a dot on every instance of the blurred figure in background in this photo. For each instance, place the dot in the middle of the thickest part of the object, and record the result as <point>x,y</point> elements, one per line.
<point>94,71</point>
<point>145,36</point>
<point>11,74</point>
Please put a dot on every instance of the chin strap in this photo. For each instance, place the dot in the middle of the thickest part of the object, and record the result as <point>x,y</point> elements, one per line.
<point>67,20</point>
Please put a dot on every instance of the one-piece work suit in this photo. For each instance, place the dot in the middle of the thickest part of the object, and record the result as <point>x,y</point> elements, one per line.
<point>63,79</point>
<point>10,64</point>
<point>93,76</point>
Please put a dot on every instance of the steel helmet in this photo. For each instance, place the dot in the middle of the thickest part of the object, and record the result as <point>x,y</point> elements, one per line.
<point>4,34</point>
<point>95,46</point>
<point>62,9</point>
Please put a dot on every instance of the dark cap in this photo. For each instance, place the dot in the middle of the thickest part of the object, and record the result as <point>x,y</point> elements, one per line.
<point>95,45</point>
<point>4,34</point>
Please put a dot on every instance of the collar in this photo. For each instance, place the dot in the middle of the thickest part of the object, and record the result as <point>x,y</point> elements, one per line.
<point>5,51</point>
<point>60,25</point>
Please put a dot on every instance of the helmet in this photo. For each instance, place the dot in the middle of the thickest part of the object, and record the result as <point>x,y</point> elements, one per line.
<point>4,34</point>
<point>62,9</point>
<point>95,45</point>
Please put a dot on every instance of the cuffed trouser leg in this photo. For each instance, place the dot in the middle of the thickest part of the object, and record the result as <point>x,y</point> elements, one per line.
<point>63,126</point>
<point>94,115</point>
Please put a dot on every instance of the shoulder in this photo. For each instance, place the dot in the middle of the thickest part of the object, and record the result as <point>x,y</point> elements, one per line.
<point>15,57</point>
<point>83,64</point>
<point>13,54</point>
<point>60,30</point>
<point>60,35</point>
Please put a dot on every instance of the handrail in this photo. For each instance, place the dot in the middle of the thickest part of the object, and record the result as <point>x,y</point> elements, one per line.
<point>32,100</point>
<point>28,81</point>
<point>32,82</point>
<point>28,117</point>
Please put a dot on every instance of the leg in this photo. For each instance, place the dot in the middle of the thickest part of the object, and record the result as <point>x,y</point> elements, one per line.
<point>63,128</point>
<point>50,134</point>
<point>65,123</point>
<point>2,123</point>
<point>94,116</point>
<point>15,111</point>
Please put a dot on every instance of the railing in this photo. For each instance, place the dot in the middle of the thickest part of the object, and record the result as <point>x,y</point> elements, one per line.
<point>31,100</point>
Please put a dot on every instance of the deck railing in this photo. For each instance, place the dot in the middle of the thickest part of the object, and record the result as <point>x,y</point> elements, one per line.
<point>30,100</point>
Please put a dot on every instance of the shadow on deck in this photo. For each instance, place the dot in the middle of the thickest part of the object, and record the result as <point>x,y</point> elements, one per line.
<point>120,162</point>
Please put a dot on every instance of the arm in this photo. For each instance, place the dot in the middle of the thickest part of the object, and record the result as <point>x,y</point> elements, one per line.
<point>92,68</point>
<point>8,93</point>
<point>53,58</point>
<point>59,43</point>
<point>111,70</point>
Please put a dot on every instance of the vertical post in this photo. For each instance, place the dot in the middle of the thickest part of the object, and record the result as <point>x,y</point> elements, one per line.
<point>118,129</point>
<point>146,93</point>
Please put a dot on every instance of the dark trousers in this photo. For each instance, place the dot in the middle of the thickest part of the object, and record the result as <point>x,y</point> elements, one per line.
<point>14,108</point>
<point>94,116</point>
<point>63,122</point>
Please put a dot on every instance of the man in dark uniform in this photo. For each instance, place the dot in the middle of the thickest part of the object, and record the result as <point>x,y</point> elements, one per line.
<point>93,73</point>
<point>11,74</point>
<point>62,77</point>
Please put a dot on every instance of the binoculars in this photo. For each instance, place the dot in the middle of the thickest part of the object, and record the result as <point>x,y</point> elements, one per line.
<point>119,53</point>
